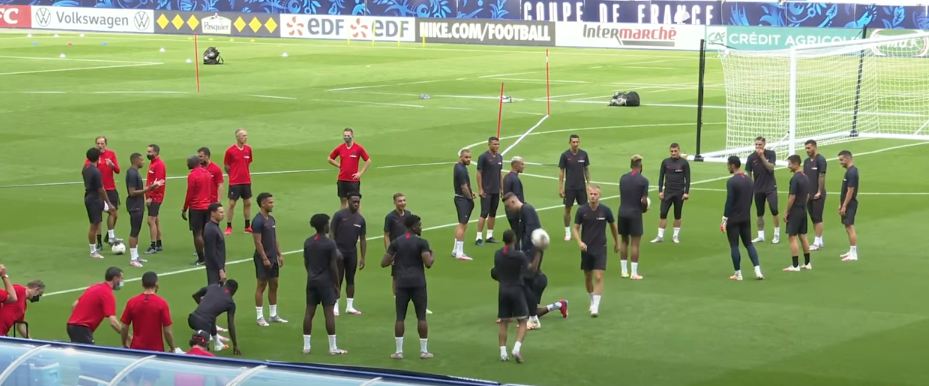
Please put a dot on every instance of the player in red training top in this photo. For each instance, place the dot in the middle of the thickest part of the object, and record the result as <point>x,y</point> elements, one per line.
<point>97,303</point>
<point>154,198</point>
<point>215,172</point>
<point>349,155</point>
<point>150,318</point>
<point>108,166</point>
<point>237,161</point>
<point>199,192</point>
<point>13,311</point>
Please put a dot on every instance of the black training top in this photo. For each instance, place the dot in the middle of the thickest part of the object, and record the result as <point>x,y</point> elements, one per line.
<point>813,167</point>
<point>593,226</point>
<point>632,187</point>
<point>267,228</point>
<point>409,268</point>
<point>318,254</point>
<point>850,181</point>
<point>674,176</point>
<point>461,177</point>
<point>491,167</point>
<point>765,182</point>
<point>574,166</point>
<point>393,224</point>
<point>134,182</point>
<point>348,227</point>
<point>93,181</point>
<point>509,264</point>
<point>216,300</point>
<point>214,246</point>
<point>739,195</point>
<point>512,184</point>
<point>800,188</point>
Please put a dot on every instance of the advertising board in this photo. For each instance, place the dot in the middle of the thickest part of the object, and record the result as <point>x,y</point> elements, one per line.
<point>15,16</point>
<point>335,27</point>
<point>212,23</point>
<point>918,47</point>
<point>93,19</point>
<point>774,38</point>
<point>621,35</point>
<point>499,32</point>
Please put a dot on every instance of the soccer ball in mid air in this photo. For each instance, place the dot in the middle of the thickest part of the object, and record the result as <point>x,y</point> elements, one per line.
<point>118,248</point>
<point>540,238</point>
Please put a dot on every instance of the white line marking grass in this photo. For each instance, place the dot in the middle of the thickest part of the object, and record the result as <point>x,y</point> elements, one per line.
<point>76,59</point>
<point>510,74</point>
<point>369,103</point>
<point>273,97</point>
<point>79,69</point>
<point>381,85</point>
<point>139,92</point>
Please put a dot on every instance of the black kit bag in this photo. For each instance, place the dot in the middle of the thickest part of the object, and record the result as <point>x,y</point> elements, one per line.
<point>211,56</point>
<point>622,98</point>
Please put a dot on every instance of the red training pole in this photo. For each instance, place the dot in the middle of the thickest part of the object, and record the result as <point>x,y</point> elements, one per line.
<point>500,113</point>
<point>197,62</point>
<point>548,92</point>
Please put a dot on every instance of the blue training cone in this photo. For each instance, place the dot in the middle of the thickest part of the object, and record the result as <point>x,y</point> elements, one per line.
<point>35,43</point>
<point>104,43</point>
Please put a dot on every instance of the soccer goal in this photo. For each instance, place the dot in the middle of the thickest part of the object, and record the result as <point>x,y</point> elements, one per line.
<point>832,93</point>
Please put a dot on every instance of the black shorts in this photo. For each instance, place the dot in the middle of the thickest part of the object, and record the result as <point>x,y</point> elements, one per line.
<point>489,205</point>
<point>135,223</point>
<point>675,199</point>
<point>464,207</point>
<point>316,294</point>
<point>511,303</point>
<point>418,296</point>
<point>815,208</point>
<point>197,219</point>
<point>533,292</point>
<point>212,276</point>
<point>629,226</point>
<point>572,196</point>
<point>153,209</point>
<point>113,196</point>
<point>736,231</point>
<point>593,261</point>
<point>771,198</point>
<point>243,191</point>
<point>265,273</point>
<point>198,322</point>
<point>850,211</point>
<point>797,222</point>
<point>513,219</point>
<point>80,334</point>
<point>348,266</point>
<point>94,210</point>
<point>343,188</point>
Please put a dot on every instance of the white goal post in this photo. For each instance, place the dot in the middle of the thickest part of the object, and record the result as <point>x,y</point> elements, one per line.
<point>831,93</point>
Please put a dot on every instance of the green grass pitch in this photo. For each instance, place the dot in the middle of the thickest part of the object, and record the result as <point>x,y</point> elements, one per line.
<point>848,324</point>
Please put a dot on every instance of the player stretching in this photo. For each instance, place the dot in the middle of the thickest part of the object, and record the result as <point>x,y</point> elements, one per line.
<point>135,205</point>
<point>95,198</point>
<point>154,198</point>
<point>673,189</point>
<point>815,169</point>
<point>737,218</point>
<point>212,301</point>
<point>572,181</point>
<point>348,229</point>
<point>633,190</point>
<point>108,166</point>
<point>321,260</point>
<point>796,217</point>
<point>760,165</point>
<point>848,204</point>
<point>199,190</point>
<point>464,202</point>
<point>268,259</point>
<point>95,304</point>
<point>349,155</point>
<point>590,233</point>
<point>411,256</point>
<point>237,161</point>
<point>490,188</point>
<point>509,265</point>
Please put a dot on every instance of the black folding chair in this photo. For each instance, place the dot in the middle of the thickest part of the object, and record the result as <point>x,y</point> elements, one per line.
<point>16,330</point>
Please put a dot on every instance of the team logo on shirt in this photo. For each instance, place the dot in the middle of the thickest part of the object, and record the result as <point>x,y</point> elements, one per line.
<point>601,218</point>
<point>357,225</point>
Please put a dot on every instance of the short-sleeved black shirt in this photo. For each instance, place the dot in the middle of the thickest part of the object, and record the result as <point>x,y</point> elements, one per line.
<point>267,228</point>
<point>393,224</point>
<point>593,226</point>
<point>134,182</point>
<point>216,300</point>
<point>574,166</point>
<point>739,195</point>
<point>318,254</point>
<point>409,268</point>
<point>800,188</point>
<point>850,181</point>
<point>813,167</point>
<point>529,219</point>
<point>509,264</point>
<point>632,187</point>
<point>765,181</point>
<point>348,227</point>
<point>491,167</point>
<point>461,177</point>
<point>512,184</point>
<point>93,181</point>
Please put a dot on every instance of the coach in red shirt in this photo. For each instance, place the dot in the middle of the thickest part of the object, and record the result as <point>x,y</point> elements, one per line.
<point>108,166</point>
<point>97,303</point>
<point>150,318</point>
<point>350,155</point>
<point>237,160</point>
<point>215,172</point>
<point>154,198</point>
<point>13,311</point>
<point>199,190</point>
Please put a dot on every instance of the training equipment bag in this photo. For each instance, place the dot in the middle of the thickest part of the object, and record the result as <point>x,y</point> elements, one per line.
<point>622,98</point>
<point>211,56</point>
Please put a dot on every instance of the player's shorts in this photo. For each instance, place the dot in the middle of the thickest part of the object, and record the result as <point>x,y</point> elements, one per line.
<point>572,196</point>
<point>265,273</point>
<point>153,209</point>
<point>320,294</point>
<point>816,208</point>
<point>135,222</point>
<point>198,218</point>
<point>489,205</point>
<point>113,196</point>
<point>770,197</point>
<point>511,303</point>
<point>533,292</point>
<point>513,219</point>
<point>198,322</point>
<point>595,261</point>
<point>243,191</point>
<point>797,222</point>
<point>850,211</point>
<point>417,295</point>
<point>736,231</point>
<point>348,266</point>
<point>94,210</point>
<point>631,226</point>
<point>676,200</point>
<point>343,188</point>
<point>80,334</point>
<point>464,207</point>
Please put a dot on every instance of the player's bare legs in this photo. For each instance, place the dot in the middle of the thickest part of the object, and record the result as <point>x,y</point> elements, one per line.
<point>91,235</point>
<point>247,210</point>
<point>272,301</point>
<point>623,255</point>
<point>567,222</point>
<point>458,251</point>
<point>154,231</point>
<point>805,244</point>
<point>796,243</point>
<point>522,327</point>
<point>259,301</point>
<point>818,231</point>
<point>308,327</point>
<point>230,214</point>
<point>777,226</point>
<point>111,218</point>
<point>852,254</point>
<point>634,251</point>
<point>198,243</point>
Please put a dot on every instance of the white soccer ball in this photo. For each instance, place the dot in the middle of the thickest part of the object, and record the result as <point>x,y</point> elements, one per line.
<point>118,248</point>
<point>540,238</point>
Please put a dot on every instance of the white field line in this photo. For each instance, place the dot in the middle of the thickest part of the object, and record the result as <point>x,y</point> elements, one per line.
<point>42,92</point>
<point>520,139</point>
<point>835,193</point>
<point>543,80</point>
<point>494,98</point>
<point>381,85</point>
<point>273,97</point>
<point>75,60</point>
<point>415,165</point>
<point>510,74</point>
<point>169,178</point>
<point>79,69</point>
<point>651,68</point>
<point>139,92</point>
<point>369,103</point>
<point>564,96</point>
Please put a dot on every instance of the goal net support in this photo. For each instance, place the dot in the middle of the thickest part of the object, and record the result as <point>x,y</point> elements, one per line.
<point>831,93</point>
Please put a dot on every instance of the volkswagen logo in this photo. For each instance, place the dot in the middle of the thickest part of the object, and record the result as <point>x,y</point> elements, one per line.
<point>142,21</point>
<point>43,17</point>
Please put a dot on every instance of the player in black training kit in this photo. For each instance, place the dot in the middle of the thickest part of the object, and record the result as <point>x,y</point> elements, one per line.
<point>268,258</point>
<point>509,265</point>
<point>95,198</point>
<point>572,181</point>
<point>848,203</point>
<point>796,217</point>
<point>135,205</point>
<point>737,221</point>
<point>512,184</point>
<point>214,245</point>
<point>411,256</point>
<point>464,202</point>
<point>633,191</point>
<point>212,301</point>
<point>393,228</point>
<point>760,165</point>
<point>673,190</point>
<point>321,259</point>
<point>815,169</point>
<point>490,188</point>
<point>348,228</point>
<point>590,234</point>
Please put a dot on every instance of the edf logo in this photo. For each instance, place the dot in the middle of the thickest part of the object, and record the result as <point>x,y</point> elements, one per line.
<point>12,16</point>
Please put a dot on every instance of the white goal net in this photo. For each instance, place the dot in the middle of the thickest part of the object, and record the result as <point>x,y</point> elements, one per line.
<point>832,93</point>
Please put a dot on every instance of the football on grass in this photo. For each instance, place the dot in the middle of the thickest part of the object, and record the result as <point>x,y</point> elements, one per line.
<point>540,238</point>
<point>118,248</point>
